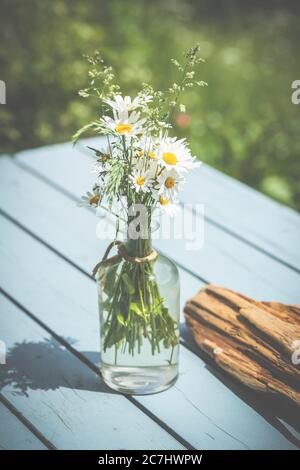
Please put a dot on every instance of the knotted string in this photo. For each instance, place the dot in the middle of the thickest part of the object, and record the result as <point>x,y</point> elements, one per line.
<point>122,253</point>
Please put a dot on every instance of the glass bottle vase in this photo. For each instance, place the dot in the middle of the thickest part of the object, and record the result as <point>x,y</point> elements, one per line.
<point>139,305</point>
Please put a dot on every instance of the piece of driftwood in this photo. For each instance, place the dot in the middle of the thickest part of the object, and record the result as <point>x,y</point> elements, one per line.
<point>251,340</point>
<point>224,318</point>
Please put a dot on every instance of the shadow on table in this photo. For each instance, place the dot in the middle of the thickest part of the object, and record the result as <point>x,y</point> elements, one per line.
<point>282,414</point>
<point>47,365</point>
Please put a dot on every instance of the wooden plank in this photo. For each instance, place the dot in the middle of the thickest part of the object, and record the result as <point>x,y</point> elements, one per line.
<point>69,308</point>
<point>63,398</point>
<point>246,212</point>
<point>47,220</point>
<point>223,259</point>
<point>14,435</point>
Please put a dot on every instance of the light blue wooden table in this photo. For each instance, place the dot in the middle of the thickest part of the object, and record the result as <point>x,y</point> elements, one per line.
<point>51,391</point>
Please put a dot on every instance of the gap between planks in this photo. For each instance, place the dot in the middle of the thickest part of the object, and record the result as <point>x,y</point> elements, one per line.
<point>70,195</point>
<point>249,243</point>
<point>68,260</point>
<point>287,289</point>
<point>219,225</point>
<point>95,369</point>
<point>271,419</point>
<point>51,402</point>
<point>26,422</point>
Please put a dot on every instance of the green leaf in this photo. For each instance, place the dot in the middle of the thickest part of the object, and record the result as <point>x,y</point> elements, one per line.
<point>136,309</point>
<point>121,319</point>
<point>119,333</point>
<point>158,309</point>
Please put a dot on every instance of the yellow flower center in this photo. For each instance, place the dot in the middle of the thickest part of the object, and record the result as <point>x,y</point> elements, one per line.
<point>169,158</point>
<point>140,153</point>
<point>170,182</point>
<point>152,155</point>
<point>94,199</point>
<point>164,201</point>
<point>123,128</point>
<point>140,180</point>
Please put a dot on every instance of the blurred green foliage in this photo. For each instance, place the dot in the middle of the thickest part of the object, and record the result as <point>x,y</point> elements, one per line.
<point>243,124</point>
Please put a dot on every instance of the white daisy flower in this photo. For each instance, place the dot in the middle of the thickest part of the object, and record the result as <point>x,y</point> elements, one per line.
<point>175,154</point>
<point>141,180</point>
<point>170,183</point>
<point>92,198</point>
<point>103,162</point>
<point>120,104</point>
<point>167,206</point>
<point>124,123</point>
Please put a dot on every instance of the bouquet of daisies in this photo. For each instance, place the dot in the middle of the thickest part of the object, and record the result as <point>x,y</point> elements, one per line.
<point>140,164</point>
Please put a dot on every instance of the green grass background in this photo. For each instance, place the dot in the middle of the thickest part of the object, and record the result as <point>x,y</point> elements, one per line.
<point>244,123</point>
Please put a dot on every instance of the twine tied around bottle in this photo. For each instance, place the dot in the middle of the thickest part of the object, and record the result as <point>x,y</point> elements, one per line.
<point>122,253</point>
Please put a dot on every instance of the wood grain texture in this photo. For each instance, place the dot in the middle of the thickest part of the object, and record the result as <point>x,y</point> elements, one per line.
<point>281,324</point>
<point>216,313</point>
<point>227,355</point>
<point>210,426</point>
<point>278,330</point>
<point>248,341</point>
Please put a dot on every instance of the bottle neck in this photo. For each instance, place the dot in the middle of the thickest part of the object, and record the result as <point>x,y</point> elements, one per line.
<point>139,247</point>
<point>138,240</point>
<point>138,236</point>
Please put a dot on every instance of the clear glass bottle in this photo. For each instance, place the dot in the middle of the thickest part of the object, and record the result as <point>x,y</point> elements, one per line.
<point>139,305</point>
